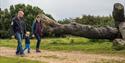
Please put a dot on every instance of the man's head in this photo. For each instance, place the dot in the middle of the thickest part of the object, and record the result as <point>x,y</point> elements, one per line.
<point>20,13</point>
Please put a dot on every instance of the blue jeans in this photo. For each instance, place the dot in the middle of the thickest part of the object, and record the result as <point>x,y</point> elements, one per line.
<point>27,46</point>
<point>38,37</point>
<point>19,37</point>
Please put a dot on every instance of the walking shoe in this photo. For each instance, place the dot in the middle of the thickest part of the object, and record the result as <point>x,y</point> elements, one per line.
<point>17,53</point>
<point>28,51</point>
<point>38,51</point>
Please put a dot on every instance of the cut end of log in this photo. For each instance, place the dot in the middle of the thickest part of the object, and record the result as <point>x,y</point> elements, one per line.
<point>118,6</point>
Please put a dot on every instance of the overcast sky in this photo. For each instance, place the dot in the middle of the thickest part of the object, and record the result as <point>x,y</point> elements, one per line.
<point>61,9</point>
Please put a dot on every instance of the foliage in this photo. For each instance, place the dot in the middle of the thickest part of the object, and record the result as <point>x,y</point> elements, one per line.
<point>91,20</point>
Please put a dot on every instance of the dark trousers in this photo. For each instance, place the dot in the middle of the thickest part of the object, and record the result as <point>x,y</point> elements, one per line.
<point>38,37</point>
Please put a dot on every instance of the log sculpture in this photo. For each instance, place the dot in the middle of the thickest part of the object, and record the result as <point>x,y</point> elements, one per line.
<point>91,32</point>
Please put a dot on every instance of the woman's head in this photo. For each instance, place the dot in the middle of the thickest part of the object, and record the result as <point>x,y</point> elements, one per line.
<point>38,18</point>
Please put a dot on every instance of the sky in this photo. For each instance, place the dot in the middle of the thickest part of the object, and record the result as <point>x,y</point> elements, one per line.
<point>61,9</point>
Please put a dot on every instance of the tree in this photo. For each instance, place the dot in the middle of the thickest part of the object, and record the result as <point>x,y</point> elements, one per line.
<point>12,11</point>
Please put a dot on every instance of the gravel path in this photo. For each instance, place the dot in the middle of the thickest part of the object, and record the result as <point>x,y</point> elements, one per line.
<point>59,56</point>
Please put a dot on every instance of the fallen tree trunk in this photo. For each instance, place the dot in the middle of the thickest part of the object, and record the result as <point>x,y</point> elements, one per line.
<point>116,34</point>
<point>87,31</point>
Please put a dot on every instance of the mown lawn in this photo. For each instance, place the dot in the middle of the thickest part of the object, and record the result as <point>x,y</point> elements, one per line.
<point>70,44</point>
<point>16,60</point>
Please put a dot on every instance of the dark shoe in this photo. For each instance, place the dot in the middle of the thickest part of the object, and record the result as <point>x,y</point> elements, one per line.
<point>17,53</point>
<point>38,51</point>
<point>28,51</point>
<point>22,55</point>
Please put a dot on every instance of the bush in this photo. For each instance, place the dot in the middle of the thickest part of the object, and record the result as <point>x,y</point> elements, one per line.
<point>4,34</point>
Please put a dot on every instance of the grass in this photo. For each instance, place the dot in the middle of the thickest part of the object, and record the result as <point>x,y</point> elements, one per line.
<point>70,44</point>
<point>16,60</point>
<point>109,61</point>
<point>54,57</point>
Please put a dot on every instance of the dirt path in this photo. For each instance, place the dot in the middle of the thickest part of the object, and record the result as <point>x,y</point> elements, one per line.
<point>60,57</point>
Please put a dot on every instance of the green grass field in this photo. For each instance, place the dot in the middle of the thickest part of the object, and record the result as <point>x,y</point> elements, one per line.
<point>16,60</point>
<point>70,44</point>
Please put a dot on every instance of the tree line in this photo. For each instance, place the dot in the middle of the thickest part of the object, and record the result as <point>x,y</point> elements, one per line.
<point>96,21</point>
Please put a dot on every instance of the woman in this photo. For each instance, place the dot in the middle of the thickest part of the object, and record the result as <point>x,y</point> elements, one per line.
<point>37,29</point>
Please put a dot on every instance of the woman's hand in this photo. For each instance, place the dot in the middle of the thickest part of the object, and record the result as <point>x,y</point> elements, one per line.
<point>33,35</point>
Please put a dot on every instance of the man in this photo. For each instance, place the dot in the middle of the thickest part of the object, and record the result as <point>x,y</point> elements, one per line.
<point>19,28</point>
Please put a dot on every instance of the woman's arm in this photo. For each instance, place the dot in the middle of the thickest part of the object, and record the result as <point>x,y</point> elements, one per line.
<point>33,27</point>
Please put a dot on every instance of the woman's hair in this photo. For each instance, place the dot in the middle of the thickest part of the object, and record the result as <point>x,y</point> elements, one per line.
<point>38,16</point>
